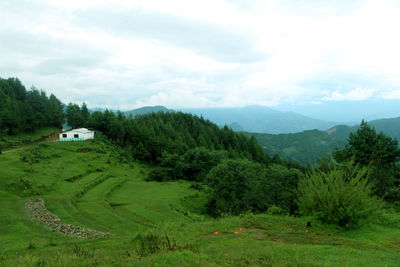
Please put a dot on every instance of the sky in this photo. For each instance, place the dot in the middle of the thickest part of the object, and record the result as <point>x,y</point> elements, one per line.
<point>210,53</point>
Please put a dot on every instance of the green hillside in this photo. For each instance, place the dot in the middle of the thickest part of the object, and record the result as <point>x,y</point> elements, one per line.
<point>390,127</point>
<point>302,147</point>
<point>91,185</point>
<point>307,146</point>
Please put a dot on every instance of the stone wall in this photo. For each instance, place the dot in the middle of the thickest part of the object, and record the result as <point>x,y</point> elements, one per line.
<point>36,210</point>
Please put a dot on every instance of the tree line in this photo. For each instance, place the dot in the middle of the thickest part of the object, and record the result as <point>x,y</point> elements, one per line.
<point>24,110</point>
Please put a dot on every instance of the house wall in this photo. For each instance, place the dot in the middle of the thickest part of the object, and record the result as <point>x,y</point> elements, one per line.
<point>71,136</point>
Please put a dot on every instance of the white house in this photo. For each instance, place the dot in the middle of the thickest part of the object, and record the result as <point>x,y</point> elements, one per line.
<point>80,134</point>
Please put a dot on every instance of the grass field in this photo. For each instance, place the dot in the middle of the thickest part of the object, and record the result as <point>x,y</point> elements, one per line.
<point>91,185</point>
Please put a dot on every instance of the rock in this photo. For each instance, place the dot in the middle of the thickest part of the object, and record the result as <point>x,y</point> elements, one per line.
<point>36,211</point>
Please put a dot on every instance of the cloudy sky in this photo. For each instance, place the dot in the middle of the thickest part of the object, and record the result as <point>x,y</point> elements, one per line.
<point>208,53</point>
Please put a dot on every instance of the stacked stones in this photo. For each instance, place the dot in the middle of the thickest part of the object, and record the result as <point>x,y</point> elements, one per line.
<point>37,211</point>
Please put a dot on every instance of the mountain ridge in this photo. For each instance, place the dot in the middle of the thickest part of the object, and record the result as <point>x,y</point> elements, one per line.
<point>260,119</point>
<point>309,145</point>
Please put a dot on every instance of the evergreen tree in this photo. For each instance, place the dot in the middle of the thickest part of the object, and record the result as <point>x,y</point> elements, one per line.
<point>378,151</point>
<point>22,110</point>
<point>85,114</point>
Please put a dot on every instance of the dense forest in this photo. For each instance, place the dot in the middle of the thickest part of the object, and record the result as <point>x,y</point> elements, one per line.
<point>24,110</point>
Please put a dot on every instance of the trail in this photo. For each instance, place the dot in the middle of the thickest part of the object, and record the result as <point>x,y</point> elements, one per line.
<point>53,137</point>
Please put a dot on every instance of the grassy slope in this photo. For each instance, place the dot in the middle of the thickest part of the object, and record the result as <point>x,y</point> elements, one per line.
<point>9,142</point>
<point>96,190</point>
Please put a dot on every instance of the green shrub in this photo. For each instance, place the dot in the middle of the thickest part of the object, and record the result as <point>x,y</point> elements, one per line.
<point>160,174</point>
<point>274,210</point>
<point>25,186</point>
<point>342,196</point>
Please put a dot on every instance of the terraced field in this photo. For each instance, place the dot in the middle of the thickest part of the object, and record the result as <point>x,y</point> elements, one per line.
<point>91,185</point>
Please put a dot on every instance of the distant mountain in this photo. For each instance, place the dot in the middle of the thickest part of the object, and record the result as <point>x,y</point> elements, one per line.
<point>260,119</point>
<point>347,111</point>
<point>309,145</point>
<point>91,110</point>
<point>390,127</point>
<point>145,110</point>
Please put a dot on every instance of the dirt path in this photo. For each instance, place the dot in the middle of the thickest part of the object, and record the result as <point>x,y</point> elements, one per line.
<point>50,138</point>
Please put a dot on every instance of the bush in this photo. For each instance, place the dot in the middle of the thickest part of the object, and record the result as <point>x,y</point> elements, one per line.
<point>274,210</point>
<point>159,174</point>
<point>342,196</point>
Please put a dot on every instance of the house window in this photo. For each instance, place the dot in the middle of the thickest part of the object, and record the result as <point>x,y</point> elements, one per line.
<point>64,135</point>
<point>76,135</point>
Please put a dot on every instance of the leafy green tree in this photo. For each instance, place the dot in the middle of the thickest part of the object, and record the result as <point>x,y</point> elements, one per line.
<point>199,161</point>
<point>279,186</point>
<point>239,185</point>
<point>74,116</point>
<point>231,182</point>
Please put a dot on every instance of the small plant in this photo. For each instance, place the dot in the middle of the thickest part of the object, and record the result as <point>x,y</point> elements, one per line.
<point>81,252</point>
<point>275,210</point>
<point>52,242</point>
<point>151,243</point>
<point>31,245</point>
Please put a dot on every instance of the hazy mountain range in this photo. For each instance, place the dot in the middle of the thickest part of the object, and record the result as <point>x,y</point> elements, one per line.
<point>256,119</point>
<point>259,119</point>
<point>346,111</point>
<point>308,145</point>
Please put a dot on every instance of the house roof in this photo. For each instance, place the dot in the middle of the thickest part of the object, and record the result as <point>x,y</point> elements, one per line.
<point>80,130</point>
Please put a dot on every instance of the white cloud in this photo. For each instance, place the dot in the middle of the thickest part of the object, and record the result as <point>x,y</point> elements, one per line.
<point>391,95</point>
<point>357,94</point>
<point>124,54</point>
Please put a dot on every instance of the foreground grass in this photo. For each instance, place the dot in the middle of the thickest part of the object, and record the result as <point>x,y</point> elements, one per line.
<point>90,184</point>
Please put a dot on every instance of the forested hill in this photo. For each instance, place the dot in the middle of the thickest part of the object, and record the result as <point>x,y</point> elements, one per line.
<point>152,137</point>
<point>302,147</point>
<point>24,110</point>
<point>309,145</point>
<point>146,110</point>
